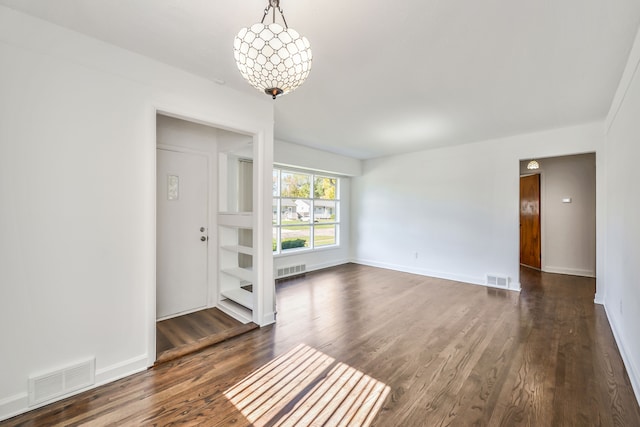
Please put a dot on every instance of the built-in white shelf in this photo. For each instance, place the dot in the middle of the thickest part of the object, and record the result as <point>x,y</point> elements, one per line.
<point>240,296</point>
<point>239,249</point>
<point>238,220</point>
<point>235,310</point>
<point>235,230</point>
<point>240,273</point>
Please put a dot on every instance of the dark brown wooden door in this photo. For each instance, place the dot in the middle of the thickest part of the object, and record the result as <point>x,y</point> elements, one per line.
<point>530,247</point>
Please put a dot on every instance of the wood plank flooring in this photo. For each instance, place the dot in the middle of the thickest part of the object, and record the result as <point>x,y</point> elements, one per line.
<point>182,335</point>
<point>451,354</point>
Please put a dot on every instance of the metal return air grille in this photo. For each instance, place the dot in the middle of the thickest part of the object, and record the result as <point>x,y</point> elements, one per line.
<point>497,281</point>
<point>290,271</point>
<point>61,382</point>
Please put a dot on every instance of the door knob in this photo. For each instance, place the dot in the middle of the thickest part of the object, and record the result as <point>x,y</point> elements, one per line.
<point>202,238</point>
<point>202,229</point>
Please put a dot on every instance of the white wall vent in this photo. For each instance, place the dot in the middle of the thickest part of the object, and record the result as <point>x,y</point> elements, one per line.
<point>290,271</point>
<point>497,281</point>
<point>58,383</point>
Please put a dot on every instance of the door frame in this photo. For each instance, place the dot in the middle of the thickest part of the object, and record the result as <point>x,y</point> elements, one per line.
<point>262,268</point>
<point>212,196</point>
<point>600,231</point>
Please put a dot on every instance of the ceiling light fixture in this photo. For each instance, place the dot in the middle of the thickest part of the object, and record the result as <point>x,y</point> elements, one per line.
<point>533,165</point>
<point>273,59</point>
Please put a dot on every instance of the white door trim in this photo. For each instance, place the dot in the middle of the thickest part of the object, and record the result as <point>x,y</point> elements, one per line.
<point>259,155</point>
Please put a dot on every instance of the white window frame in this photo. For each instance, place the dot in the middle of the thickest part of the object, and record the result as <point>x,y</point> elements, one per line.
<point>277,226</point>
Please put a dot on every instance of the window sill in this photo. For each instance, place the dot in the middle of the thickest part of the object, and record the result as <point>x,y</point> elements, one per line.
<point>306,251</point>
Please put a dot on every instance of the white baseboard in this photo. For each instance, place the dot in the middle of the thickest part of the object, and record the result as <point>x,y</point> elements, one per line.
<point>569,271</point>
<point>437,274</point>
<point>268,319</point>
<point>329,264</point>
<point>314,267</point>
<point>121,370</point>
<point>632,370</point>
<point>19,403</point>
<point>13,405</point>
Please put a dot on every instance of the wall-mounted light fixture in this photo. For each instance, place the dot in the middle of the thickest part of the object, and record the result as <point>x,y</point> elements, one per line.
<point>533,165</point>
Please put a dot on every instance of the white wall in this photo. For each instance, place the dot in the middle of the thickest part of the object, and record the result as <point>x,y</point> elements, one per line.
<point>568,229</point>
<point>187,135</point>
<point>456,208</point>
<point>622,263</point>
<point>300,157</point>
<point>77,184</point>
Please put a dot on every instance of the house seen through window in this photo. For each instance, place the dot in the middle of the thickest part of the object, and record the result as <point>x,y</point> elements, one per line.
<point>305,211</point>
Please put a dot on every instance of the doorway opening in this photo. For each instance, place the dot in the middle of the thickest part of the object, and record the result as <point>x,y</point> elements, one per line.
<point>558,215</point>
<point>188,314</point>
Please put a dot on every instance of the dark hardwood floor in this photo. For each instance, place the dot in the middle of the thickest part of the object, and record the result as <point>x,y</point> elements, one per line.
<point>449,353</point>
<point>182,335</point>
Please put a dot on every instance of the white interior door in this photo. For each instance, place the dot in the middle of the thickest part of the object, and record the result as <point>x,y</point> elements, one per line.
<point>181,254</point>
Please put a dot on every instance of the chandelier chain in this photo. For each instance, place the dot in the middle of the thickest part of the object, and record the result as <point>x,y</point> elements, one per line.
<point>274,4</point>
<point>283,20</point>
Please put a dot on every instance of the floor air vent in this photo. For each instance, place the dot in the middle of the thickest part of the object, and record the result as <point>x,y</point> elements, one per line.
<point>290,271</point>
<point>61,382</point>
<point>497,281</point>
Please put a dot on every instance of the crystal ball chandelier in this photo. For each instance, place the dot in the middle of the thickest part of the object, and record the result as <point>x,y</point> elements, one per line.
<point>274,59</point>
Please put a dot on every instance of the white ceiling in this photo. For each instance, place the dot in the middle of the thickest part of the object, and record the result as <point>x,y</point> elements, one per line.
<point>393,76</point>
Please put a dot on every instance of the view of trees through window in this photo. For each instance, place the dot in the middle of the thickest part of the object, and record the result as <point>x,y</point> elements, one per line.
<point>305,211</point>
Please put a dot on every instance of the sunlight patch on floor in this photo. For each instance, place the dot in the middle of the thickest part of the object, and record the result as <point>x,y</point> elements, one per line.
<point>306,387</point>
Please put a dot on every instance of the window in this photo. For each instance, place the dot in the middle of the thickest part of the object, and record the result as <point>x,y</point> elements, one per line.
<point>306,209</point>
